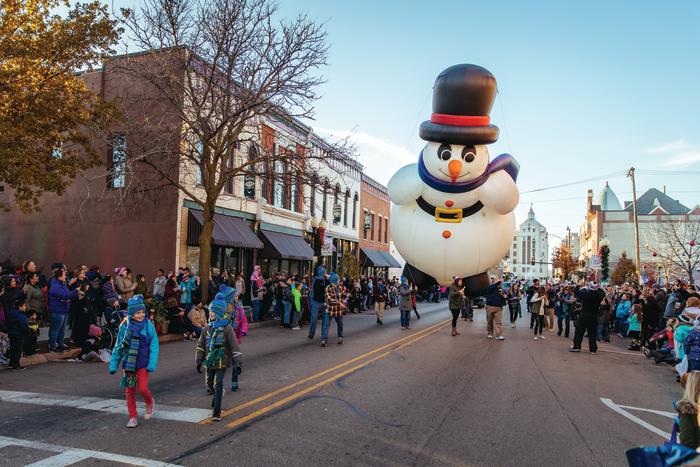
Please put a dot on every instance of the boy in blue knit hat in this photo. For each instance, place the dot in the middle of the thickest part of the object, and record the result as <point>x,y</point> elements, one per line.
<point>230,295</point>
<point>137,350</point>
<point>216,349</point>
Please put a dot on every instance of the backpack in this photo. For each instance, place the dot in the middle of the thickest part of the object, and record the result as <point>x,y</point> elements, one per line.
<point>319,290</point>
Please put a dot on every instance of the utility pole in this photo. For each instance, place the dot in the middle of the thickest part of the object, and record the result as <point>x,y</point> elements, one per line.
<point>630,174</point>
<point>568,238</point>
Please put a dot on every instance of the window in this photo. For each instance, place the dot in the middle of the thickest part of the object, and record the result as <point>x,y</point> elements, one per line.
<point>354,211</point>
<point>118,161</point>
<point>336,202</point>
<point>365,227</point>
<point>345,208</point>
<point>312,200</point>
<point>371,227</point>
<point>325,199</point>
<point>266,183</point>
<point>278,190</point>
<point>386,229</point>
<point>379,237</point>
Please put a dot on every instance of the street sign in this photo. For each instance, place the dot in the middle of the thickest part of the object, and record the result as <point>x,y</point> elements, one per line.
<point>336,213</point>
<point>249,186</point>
<point>327,249</point>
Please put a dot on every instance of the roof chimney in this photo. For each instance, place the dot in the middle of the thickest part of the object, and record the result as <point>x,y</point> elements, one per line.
<point>589,202</point>
<point>664,189</point>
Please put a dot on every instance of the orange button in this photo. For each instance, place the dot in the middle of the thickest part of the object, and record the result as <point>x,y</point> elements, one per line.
<point>446,233</point>
<point>449,203</point>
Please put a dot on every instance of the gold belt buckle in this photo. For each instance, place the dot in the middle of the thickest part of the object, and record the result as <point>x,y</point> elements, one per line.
<point>439,212</point>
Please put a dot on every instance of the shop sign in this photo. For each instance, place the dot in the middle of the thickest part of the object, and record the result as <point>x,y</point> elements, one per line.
<point>249,186</point>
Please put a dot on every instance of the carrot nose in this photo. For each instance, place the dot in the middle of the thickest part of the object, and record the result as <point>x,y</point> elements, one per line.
<point>455,168</point>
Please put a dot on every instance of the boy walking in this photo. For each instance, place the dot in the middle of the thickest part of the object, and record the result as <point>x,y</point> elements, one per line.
<point>216,349</point>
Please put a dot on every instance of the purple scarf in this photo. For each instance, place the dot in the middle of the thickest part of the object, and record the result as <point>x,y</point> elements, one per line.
<point>503,162</point>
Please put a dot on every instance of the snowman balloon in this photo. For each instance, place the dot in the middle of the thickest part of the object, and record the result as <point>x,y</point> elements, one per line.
<point>453,210</point>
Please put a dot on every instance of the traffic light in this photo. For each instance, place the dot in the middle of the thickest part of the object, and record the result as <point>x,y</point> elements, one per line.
<point>532,262</point>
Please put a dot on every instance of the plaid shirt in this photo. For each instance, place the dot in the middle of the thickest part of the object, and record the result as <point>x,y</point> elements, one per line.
<point>334,300</point>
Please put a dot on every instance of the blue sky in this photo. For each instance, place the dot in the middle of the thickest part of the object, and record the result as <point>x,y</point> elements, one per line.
<point>585,88</point>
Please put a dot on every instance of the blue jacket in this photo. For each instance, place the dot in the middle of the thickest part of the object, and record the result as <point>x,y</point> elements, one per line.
<point>149,333</point>
<point>60,297</point>
<point>692,345</point>
<point>679,336</point>
<point>623,309</point>
<point>493,296</point>
<point>634,324</point>
<point>187,288</point>
<point>17,323</point>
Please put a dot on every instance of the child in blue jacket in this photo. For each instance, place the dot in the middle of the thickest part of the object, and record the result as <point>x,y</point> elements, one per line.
<point>137,352</point>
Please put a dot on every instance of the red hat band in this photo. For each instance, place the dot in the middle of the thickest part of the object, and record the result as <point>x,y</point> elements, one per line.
<point>460,120</point>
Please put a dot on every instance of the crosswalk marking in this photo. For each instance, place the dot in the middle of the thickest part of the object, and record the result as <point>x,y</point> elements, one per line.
<point>117,406</point>
<point>68,455</point>
<point>618,408</point>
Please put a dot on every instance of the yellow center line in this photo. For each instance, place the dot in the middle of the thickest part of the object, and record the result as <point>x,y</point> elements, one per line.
<point>276,392</point>
<point>243,420</point>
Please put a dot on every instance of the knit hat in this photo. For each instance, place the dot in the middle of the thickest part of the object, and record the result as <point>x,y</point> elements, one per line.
<point>229,293</point>
<point>218,306</point>
<point>333,278</point>
<point>119,269</point>
<point>320,271</point>
<point>135,304</point>
<point>404,280</point>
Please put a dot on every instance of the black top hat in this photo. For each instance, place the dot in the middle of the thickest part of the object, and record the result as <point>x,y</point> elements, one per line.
<point>462,99</point>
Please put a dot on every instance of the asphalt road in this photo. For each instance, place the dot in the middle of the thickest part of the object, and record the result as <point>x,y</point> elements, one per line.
<point>384,397</point>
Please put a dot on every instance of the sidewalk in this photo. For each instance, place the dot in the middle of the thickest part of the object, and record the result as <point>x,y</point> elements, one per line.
<point>44,356</point>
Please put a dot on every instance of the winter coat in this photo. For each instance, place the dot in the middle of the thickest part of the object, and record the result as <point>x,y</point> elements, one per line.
<point>125,288</point>
<point>60,297</point>
<point>633,323</point>
<point>35,299</point>
<point>679,336</point>
<point>456,298</point>
<point>405,302</point>
<point>187,288</point>
<point>623,309</point>
<point>150,337</point>
<point>692,345</point>
<point>689,432</point>
<point>109,295</point>
<point>296,296</point>
<point>231,348</point>
<point>537,304</point>
<point>380,293</point>
<point>17,323</point>
<point>159,286</point>
<point>334,301</point>
<point>494,296</point>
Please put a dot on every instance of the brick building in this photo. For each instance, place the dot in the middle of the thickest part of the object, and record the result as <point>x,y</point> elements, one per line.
<point>375,257</point>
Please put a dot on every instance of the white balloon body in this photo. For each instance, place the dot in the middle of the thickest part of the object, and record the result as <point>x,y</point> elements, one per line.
<point>473,245</point>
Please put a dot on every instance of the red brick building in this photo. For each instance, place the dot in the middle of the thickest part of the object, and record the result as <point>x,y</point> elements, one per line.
<point>375,235</point>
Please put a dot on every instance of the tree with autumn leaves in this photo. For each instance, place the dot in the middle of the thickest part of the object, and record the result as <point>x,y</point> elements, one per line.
<point>48,116</point>
<point>563,260</point>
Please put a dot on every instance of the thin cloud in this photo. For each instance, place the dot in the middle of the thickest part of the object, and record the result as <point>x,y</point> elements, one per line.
<point>671,146</point>
<point>379,156</point>
<point>683,159</point>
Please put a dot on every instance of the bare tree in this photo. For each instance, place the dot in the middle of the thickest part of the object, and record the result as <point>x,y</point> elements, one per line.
<point>673,244</point>
<point>215,70</point>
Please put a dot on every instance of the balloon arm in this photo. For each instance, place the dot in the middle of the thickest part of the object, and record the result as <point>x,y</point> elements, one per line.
<point>500,192</point>
<point>405,185</point>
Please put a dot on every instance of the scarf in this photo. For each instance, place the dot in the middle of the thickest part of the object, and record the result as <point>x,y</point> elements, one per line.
<point>130,346</point>
<point>255,277</point>
<point>215,344</point>
<point>502,162</point>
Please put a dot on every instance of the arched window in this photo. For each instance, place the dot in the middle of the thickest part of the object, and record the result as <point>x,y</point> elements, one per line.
<point>326,189</point>
<point>312,196</point>
<point>336,202</point>
<point>354,210</point>
<point>345,207</point>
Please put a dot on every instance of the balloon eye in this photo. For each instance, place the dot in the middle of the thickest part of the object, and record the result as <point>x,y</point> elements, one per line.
<point>444,152</point>
<point>469,154</point>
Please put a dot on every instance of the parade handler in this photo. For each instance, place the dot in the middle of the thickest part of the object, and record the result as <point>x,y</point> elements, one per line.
<point>216,349</point>
<point>239,322</point>
<point>137,351</point>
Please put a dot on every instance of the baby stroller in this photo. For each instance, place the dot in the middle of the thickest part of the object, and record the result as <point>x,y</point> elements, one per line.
<point>111,319</point>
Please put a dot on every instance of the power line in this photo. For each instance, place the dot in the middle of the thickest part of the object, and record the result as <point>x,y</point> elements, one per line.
<point>579,182</point>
